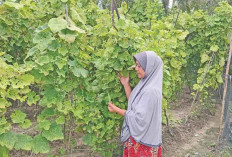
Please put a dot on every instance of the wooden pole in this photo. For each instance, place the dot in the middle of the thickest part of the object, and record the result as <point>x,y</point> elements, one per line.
<point>225,90</point>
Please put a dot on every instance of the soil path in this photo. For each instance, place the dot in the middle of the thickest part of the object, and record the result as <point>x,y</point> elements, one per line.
<point>196,138</point>
<point>202,141</point>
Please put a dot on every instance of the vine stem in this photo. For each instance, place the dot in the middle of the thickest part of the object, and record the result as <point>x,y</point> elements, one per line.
<point>71,120</point>
<point>177,17</point>
<point>169,129</point>
<point>113,7</point>
<point>221,127</point>
<point>31,154</point>
<point>66,11</point>
<point>202,82</point>
<point>69,136</point>
<point>116,9</point>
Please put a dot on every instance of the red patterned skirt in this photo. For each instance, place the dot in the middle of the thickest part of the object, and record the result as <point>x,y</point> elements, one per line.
<point>133,149</point>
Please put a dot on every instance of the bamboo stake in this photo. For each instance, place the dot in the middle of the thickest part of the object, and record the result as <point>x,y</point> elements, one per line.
<point>225,90</point>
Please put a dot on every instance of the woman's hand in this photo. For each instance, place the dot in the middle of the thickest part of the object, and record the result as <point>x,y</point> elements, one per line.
<point>112,107</point>
<point>124,80</point>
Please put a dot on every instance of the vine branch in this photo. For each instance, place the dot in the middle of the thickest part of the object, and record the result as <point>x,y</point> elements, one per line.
<point>114,7</point>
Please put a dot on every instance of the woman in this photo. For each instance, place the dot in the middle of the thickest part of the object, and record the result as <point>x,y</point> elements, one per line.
<point>142,129</point>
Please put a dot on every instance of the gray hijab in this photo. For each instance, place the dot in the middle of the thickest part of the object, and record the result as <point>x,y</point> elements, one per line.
<point>142,120</point>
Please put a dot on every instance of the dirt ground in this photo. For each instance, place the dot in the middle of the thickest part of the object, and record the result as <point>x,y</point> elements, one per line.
<point>196,138</point>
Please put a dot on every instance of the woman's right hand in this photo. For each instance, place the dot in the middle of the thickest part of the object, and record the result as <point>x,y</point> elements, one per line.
<point>124,80</point>
<point>112,107</point>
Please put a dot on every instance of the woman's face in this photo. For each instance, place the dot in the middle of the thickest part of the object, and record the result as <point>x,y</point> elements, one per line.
<point>139,70</point>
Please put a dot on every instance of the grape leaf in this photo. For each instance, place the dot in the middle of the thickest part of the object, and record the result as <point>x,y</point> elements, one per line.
<point>8,139</point>
<point>40,145</point>
<point>18,116</point>
<point>23,142</point>
<point>60,120</point>
<point>57,24</point>
<point>54,133</point>
<point>44,124</point>
<point>25,124</point>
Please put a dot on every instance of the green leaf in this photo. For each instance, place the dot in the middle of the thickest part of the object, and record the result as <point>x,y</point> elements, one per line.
<point>170,54</point>
<point>109,97</point>
<point>3,120</point>
<point>183,35</point>
<point>222,62</point>
<point>26,79</point>
<point>61,62</point>
<point>78,112</point>
<point>78,72</point>
<point>8,58</point>
<point>41,37</point>
<point>60,120</point>
<point>219,78</point>
<point>121,23</point>
<point>13,5</point>
<point>32,98</point>
<point>4,151</point>
<point>87,139</point>
<point>72,63</point>
<point>68,35</point>
<point>4,29</point>
<point>54,45</point>
<point>183,54</point>
<point>8,139</point>
<point>31,52</point>
<point>48,112</point>
<point>124,43</point>
<point>3,103</point>
<point>41,60</point>
<point>63,51</point>
<point>18,116</point>
<point>204,58</point>
<point>75,28</point>
<point>43,45</point>
<point>2,53</point>
<point>214,48</point>
<point>26,124</point>
<point>164,103</point>
<point>40,145</point>
<point>76,17</point>
<point>4,125</point>
<point>54,133</point>
<point>57,24</point>
<point>23,142</point>
<point>41,28</point>
<point>125,73</point>
<point>174,63</point>
<point>44,124</point>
